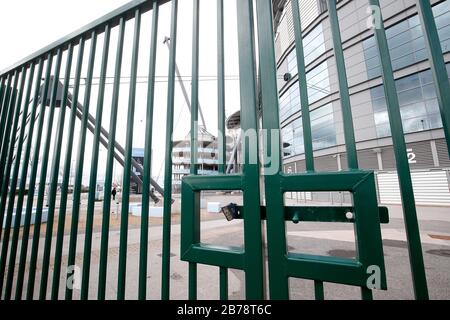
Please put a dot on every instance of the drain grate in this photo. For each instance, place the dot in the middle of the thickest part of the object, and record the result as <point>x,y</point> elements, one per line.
<point>440,252</point>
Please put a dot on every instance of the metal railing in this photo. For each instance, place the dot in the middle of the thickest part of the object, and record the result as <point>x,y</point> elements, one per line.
<point>36,79</point>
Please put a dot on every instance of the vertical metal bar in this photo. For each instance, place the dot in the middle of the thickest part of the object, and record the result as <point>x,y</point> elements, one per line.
<point>40,94</point>
<point>167,215</point>
<point>43,174</point>
<point>3,91</point>
<point>80,160</point>
<point>110,164</point>
<point>436,59</point>
<point>223,283</point>
<point>303,85</point>
<point>221,87</point>
<point>254,278</point>
<point>222,157</point>
<point>7,176</point>
<point>401,157</point>
<point>366,293</point>
<point>318,290</point>
<point>4,174</point>
<point>66,173</point>
<point>121,281</point>
<point>55,168</point>
<point>5,109</point>
<point>148,156</point>
<point>94,168</point>
<point>192,281</point>
<point>194,125</point>
<point>23,180</point>
<point>276,245</point>
<point>17,166</point>
<point>349,131</point>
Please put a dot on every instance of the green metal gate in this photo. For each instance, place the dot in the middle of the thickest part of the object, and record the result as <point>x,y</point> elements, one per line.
<point>29,90</point>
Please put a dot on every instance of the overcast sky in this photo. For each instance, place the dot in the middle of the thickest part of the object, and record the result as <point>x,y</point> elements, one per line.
<point>28,26</point>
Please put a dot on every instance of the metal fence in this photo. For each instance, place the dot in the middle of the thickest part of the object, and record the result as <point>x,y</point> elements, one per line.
<point>28,99</point>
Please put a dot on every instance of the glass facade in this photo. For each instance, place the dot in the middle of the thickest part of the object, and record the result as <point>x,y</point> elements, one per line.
<point>290,102</point>
<point>322,127</point>
<point>318,82</point>
<point>418,104</point>
<point>406,41</point>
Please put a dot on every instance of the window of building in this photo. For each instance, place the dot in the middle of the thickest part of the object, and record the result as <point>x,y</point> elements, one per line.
<point>418,104</point>
<point>318,82</point>
<point>406,41</point>
<point>322,5</point>
<point>322,127</point>
<point>290,102</point>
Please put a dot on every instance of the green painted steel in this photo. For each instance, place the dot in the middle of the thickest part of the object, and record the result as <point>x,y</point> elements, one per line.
<point>55,170</point>
<point>303,85</point>
<point>127,167</point>
<point>284,264</point>
<point>109,166</point>
<point>43,173</point>
<point>366,215</point>
<point>22,187</point>
<point>401,157</point>
<point>248,259</point>
<point>17,167</point>
<point>66,175</point>
<point>194,125</point>
<point>148,156</point>
<point>4,169</point>
<point>80,161</point>
<point>349,131</point>
<point>13,180</point>
<point>41,94</point>
<point>5,108</point>
<point>94,168</point>
<point>167,210</point>
<point>436,59</point>
<point>222,157</point>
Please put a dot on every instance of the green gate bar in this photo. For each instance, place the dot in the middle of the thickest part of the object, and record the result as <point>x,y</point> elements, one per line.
<point>222,155</point>
<point>436,59</point>
<point>167,211</point>
<point>66,174</point>
<point>3,91</point>
<point>22,187</point>
<point>43,176</point>
<point>17,167</point>
<point>5,111</point>
<point>401,157</point>
<point>80,160</point>
<point>94,168</point>
<point>4,174</point>
<point>127,167</point>
<point>249,259</point>
<point>55,170</point>
<point>194,125</point>
<point>103,266</point>
<point>41,99</point>
<point>283,264</point>
<point>142,294</point>
<point>6,181</point>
